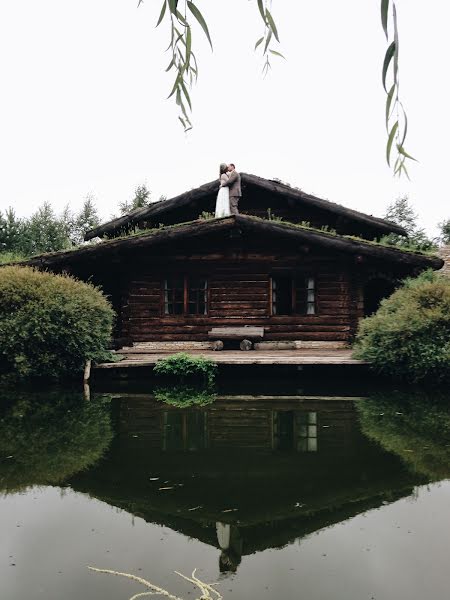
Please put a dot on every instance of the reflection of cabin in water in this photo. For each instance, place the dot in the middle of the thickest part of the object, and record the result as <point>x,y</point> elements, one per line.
<point>244,469</point>
<point>280,425</point>
<point>300,267</point>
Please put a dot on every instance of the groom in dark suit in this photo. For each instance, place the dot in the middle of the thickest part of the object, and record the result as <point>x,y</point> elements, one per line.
<point>234,183</point>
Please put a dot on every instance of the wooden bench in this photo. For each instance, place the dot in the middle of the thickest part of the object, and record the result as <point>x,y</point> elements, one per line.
<point>246,334</point>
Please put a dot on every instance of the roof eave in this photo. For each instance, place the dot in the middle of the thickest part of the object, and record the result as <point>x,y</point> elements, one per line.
<point>244,222</point>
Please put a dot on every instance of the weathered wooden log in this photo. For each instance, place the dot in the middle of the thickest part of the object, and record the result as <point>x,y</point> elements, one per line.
<point>246,345</point>
<point>217,345</point>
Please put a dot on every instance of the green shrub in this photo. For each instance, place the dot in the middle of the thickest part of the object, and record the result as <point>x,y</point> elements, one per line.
<point>409,336</point>
<point>186,367</point>
<point>50,324</point>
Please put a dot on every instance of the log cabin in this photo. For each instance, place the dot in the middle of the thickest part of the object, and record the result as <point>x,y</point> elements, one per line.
<point>294,268</point>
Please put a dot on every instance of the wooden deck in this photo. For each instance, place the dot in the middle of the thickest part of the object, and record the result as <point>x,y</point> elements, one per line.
<point>317,356</point>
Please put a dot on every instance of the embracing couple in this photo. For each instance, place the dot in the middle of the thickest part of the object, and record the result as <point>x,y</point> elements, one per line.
<point>229,191</point>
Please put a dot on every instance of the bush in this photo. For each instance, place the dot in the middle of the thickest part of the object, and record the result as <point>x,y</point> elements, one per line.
<point>50,324</point>
<point>186,367</point>
<point>409,336</point>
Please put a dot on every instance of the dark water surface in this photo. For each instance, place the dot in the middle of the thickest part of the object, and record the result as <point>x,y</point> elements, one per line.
<point>301,496</point>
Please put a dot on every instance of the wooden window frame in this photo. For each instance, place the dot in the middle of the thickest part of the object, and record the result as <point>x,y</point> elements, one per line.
<point>295,278</point>
<point>186,314</point>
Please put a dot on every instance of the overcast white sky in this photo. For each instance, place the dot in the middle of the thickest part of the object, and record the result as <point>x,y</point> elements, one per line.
<point>83,106</point>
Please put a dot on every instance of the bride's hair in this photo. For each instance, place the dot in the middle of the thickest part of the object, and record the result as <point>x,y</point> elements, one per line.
<point>223,168</point>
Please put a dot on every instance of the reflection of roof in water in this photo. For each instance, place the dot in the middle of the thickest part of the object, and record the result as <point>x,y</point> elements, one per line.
<point>225,463</point>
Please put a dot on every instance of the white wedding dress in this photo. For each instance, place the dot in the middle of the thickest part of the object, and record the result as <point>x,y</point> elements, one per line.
<point>223,199</point>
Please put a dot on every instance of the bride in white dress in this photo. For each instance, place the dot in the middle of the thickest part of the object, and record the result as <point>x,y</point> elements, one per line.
<point>223,197</point>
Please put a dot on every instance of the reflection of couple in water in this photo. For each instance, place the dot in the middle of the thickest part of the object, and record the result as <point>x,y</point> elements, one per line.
<point>230,542</point>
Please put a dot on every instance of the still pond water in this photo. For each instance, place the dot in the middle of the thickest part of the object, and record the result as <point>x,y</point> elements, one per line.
<point>311,496</point>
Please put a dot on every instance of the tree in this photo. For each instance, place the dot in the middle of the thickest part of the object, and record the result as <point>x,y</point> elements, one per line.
<point>184,65</point>
<point>402,213</point>
<point>86,219</point>
<point>141,198</point>
<point>11,231</point>
<point>44,232</point>
<point>445,231</point>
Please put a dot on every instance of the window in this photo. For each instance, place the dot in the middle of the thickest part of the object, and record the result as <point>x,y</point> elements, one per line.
<point>174,296</point>
<point>282,295</point>
<point>185,296</point>
<point>295,430</point>
<point>291,295</point>
<point>184,430</point>
<point>307,432</point>
<point>198,296</point>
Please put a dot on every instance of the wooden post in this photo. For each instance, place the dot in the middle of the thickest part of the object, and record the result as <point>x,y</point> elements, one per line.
<point>87,371</point>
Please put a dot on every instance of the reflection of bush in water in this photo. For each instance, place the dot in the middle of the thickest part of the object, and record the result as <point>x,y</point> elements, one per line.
<point>51,437</point>
<point>413,425</point>
<point>183,396</point>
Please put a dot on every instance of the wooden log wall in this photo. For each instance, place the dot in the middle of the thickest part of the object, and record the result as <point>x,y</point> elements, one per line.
<point>239,295</point>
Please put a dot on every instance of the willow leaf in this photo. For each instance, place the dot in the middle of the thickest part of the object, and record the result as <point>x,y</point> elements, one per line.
<point>173,6</point>
<point>387,60</point>
<point>405,170</point>
<point>389,142</point>
<point>405,128</point>
<point>268,38</point>
<point>181,19</point>
<point>188,46</point>
<point>277,53</point>
<point>262,11</point>
<point>183,122</point>
<point>260,41</point>
<point>389,102</point>
<point>272,25</point>
<point>162,13</point>
<point>175,86</point>
<point>384,15</point>
<point>394,10</point>
<point>198,15</point>
<point>403,152</point>
<point>185,92</point>
<point>172,62</point>
<point>172,35</point>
